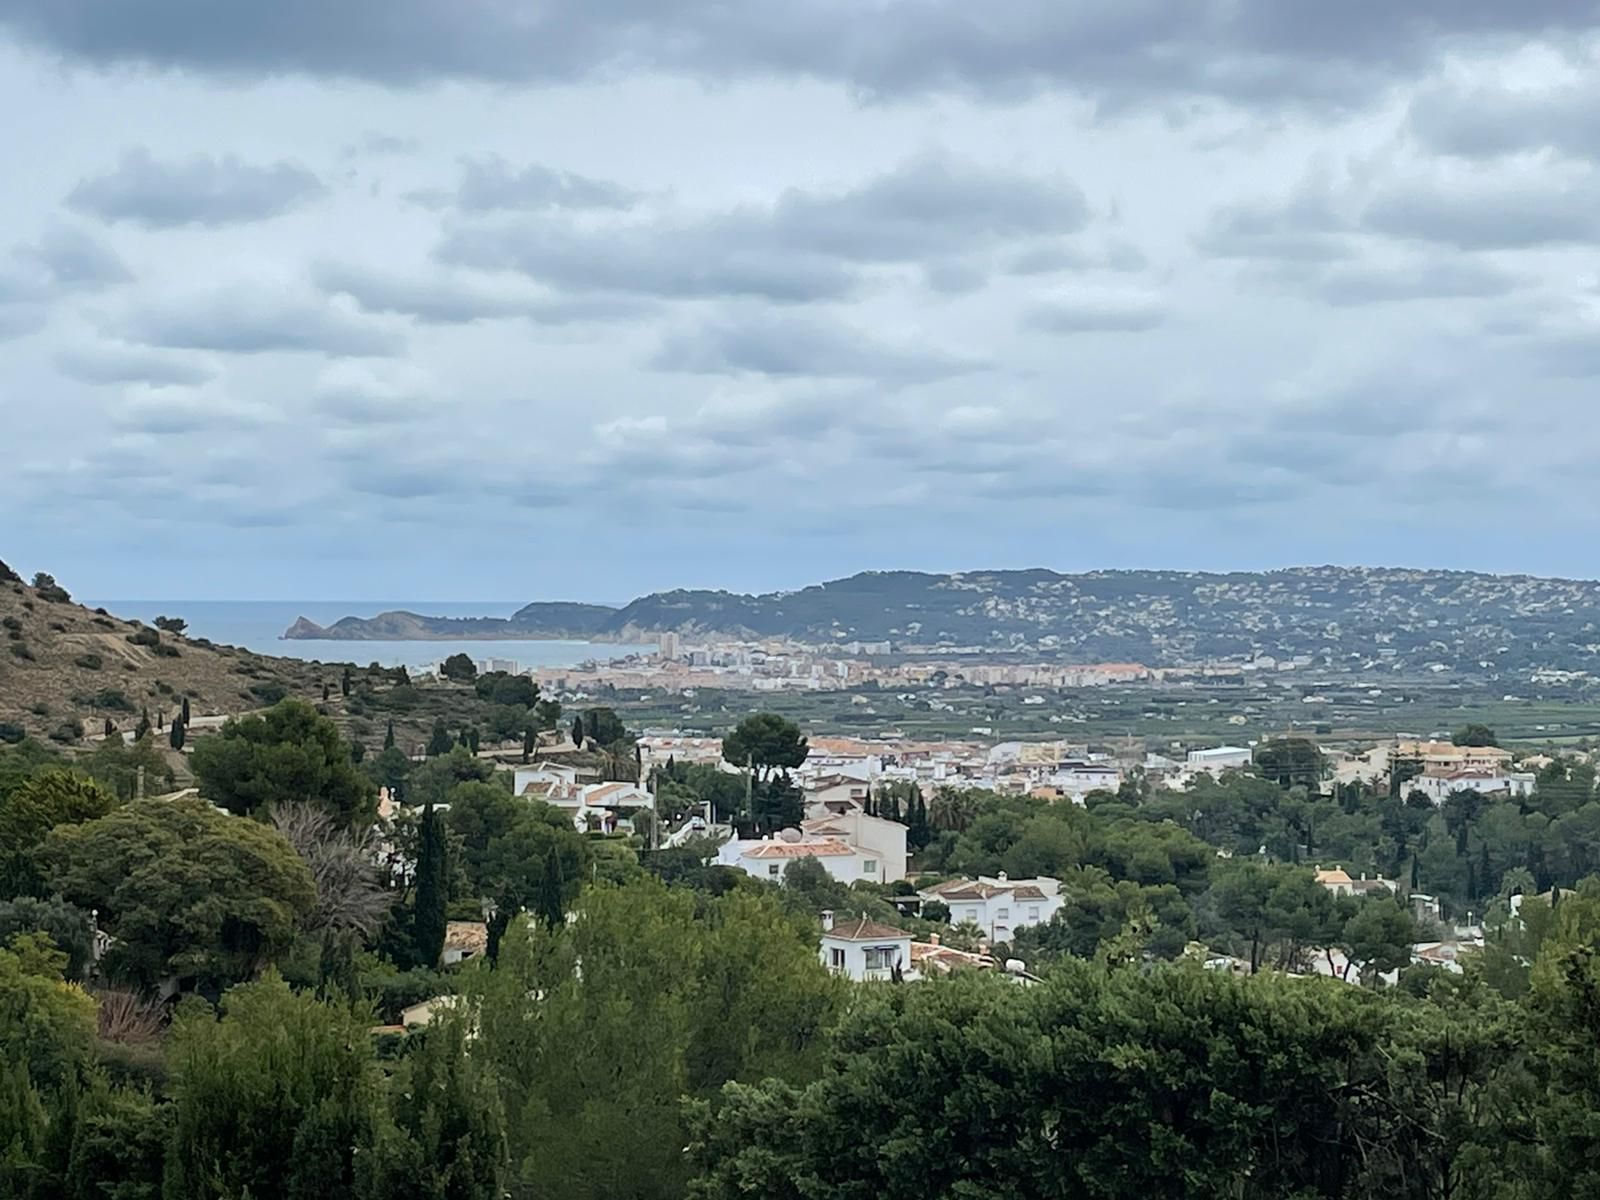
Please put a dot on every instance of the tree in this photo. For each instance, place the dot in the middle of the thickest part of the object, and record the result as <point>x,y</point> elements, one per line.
<point>538,864</point>
<point>432,897</point>
<point>577,731</point>
<point>603,726</point>
<point>49,590</point>
<point>440,1127</point>
<point>172,625</point>
<point>176,735</point>
<point>1380,935</point>
<point>439,741</point>
<point>142,729</point>
<point>183,890</point>
<point>459,668</point>
<point>388,737</point>
<point>344,681</point>
<point>1290,761</point>
<point>1474,735</point>
<point>479,814</point>
<point>185,717</point>
<point>290,753</point>
<point>66,926</point>
<point>31,811</point>
<point>351,901</point>
<point>765,742</point>
<point>45,1023</point>
<point>274,1099</point>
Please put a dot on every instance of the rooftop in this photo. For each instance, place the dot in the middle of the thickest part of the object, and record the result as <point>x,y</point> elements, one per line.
<point>860,929</point>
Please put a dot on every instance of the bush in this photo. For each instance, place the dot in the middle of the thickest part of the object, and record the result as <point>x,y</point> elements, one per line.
<point>49,590</point>
<point>67,731</point>
<point>268,693</point>
<point>40,710</point>
<point>89,662</point>
<point>113,699</point>
<point>105,624</point>
<point>10,733</point>
<point>22,652</point>
<point>145,637</point>
<point>166,651</point>
<point>11,623</point>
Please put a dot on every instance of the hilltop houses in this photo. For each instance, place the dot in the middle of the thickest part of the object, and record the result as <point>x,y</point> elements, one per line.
<point>998,905</point>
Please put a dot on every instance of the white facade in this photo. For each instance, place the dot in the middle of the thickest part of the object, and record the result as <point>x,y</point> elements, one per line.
<point>1218,758</point>
<point>770,858</point>
<point>1438,787</point>
<point>1079,779</point>
<point>882,838</point>
<point>863,951</point>
<point>997,905</point>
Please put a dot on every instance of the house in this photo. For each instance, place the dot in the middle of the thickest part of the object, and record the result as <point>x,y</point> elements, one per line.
<point>419,1015</point>
<point>538,781</point>
<point>463,940</point>
<point>999,906</point>
<point>1337,880</point>
<point>768,858</point>
<point>1078,779</point>
<point>1486,783</point>
<point>877,835</point>
<point>863,950</point>
<point>1218,759</point>
<point>1443,758</point>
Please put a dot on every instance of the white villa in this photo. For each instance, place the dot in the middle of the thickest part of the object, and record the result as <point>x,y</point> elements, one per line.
<point>863,950</point>
<point>999,906</point>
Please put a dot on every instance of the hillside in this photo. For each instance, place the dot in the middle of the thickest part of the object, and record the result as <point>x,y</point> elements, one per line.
<point>1462,620</point>
<point>63,665</point>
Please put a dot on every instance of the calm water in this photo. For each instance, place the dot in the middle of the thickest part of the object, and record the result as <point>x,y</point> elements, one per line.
<point>258,624</point>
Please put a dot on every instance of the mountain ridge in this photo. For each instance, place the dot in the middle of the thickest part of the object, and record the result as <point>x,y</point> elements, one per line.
<point>1462,619</point>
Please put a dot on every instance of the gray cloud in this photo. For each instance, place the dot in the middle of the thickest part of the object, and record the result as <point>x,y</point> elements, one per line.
<point>76,259</point>
<point>1302,227</point>
<point>493,185</point>
<point>446,300</point>
<point>803,346</point>
<point>1251,50</point>
<point>104,362</point>
<point>1380,283</point>
<point>243,321</point>
<point>179,411</point>
<point>1488,121</point>
<point>17,321</point>
<point>200,190</point>
<point>1489,214</point>
<point>1097,314</point>
<point>806,246</point>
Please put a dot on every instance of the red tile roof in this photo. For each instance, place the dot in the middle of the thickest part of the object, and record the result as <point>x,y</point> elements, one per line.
<point>860,929</point>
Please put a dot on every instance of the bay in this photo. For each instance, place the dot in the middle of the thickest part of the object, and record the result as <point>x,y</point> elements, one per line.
<point>259,624</point>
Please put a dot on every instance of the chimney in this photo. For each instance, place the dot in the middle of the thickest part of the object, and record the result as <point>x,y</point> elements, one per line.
<point>827,919</point>
<point>933,939</point>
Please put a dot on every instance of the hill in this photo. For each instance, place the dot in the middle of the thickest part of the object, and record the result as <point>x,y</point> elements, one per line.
<point>65,669</point>
<point>1459,619</point>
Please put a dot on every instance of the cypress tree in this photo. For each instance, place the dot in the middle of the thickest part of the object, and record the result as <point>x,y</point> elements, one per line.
<point>161,721</point>
<point>388,738</point>
<point>111,727</point>
<point>1416,874</point>
<point>428,916</point>
<point>186,710</point>
<point>472,738</point>
<point>344,681</point>
<point>143,727</point>
<point>550,905</point>
<point>175,736</point>
<point>439,741</point>
<point>577,731</point>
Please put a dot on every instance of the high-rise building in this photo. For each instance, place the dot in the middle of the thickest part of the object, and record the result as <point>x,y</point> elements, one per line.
<point>668,646</point>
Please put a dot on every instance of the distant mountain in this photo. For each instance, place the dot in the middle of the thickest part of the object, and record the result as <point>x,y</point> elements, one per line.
<point>1458,619</point>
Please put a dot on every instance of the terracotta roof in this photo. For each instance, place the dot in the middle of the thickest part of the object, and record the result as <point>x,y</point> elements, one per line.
<point>1026,892</point>
<point>1337,875</point>
<point>470,936</point>
<point>798,849</point>
<point>926,956</point>
<point>860,929</point>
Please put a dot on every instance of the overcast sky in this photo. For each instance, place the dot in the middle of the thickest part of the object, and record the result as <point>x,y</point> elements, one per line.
<point>586,298</point>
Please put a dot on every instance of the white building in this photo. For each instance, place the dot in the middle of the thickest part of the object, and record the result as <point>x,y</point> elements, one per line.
<point>1218,759</point>
<point>863,950</point>
<point>1078,779</point>
<point>769,858</point>
<point>883,838</point>
<point>999,906</point>
<point>1488,783</point>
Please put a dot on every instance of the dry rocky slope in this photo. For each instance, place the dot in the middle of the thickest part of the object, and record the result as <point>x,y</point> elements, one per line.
<point>62,664</point>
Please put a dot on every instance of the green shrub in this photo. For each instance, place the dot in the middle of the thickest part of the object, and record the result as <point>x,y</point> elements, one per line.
<point>22,652</point>
<point>67,731</point>
<point>10,733</point>
<point>113,699</point>
<point>145,637</point>
<point>89,662</point>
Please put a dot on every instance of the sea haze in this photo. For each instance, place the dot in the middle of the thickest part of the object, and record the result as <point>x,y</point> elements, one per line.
<point>258,625</point>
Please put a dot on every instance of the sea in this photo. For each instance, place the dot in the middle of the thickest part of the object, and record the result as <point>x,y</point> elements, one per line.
<point>259,624</point>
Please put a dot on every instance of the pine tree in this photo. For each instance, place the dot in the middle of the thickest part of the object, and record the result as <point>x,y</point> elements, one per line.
<point>388,737</point>
<point>428,915</point>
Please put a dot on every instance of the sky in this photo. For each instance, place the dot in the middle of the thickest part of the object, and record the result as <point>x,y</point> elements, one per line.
<point>581,299</point>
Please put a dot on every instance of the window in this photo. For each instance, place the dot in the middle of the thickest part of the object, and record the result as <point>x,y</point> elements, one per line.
<point>836,959</point>
<point>869,867</point>
<point>1033,913</point>
<point>1002,914</point>
<point>772,868</point>
<point>971,915</point>
<point>880,958</point>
